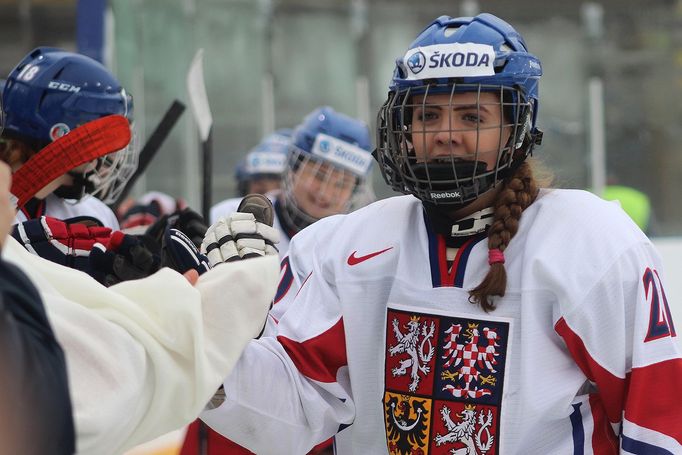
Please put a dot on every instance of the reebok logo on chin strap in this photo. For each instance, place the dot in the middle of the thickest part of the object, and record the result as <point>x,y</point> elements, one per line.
<point>355,260</point>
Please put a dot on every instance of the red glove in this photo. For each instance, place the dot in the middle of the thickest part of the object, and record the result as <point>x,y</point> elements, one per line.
<point>66,242</point>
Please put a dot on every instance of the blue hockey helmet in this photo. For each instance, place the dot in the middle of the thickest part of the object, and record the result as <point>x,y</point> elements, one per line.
<point>281,138</point>
<point>333,147</point>
<point>456,55</point>
<point>265,162</point>
<point>51,92</point>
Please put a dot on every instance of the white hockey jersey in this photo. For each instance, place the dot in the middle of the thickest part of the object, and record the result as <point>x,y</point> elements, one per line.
<point>144,356</point>
<point>59,208</point>
<point>380,345</point>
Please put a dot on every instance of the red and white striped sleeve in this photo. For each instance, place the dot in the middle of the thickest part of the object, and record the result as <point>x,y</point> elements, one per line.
<point>623,338</point>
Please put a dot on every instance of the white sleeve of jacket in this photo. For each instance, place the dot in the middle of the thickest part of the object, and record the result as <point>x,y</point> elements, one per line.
<point>145,356</point>
<point>289,393</point>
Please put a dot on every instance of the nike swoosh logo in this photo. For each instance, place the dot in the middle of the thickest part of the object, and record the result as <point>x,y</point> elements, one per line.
<point>355,260</point>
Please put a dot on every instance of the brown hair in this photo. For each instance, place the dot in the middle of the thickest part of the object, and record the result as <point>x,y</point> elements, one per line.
<point>14,152</point>
<point>519,191</point>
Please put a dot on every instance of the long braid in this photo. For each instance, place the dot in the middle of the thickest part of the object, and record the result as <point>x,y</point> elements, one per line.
<point>518,193</point>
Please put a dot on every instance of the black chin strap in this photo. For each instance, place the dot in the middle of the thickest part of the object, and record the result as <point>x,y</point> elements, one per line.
<point>81,186</point>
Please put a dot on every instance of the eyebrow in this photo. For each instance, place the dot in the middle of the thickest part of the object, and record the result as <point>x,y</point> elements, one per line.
<point>456,107</point>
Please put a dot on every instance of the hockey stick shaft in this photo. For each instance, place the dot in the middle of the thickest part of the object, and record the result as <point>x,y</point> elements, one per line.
<point>207,170</point>
<point>153,145</point>
<point>198,98</point>
<point>84,144</point>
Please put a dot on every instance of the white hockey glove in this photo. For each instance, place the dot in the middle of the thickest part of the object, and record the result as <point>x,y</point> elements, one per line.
<point>240,236</point>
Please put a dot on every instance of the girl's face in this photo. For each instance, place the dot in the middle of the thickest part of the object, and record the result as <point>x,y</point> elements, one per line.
<point>321,189</point>
<point>467,126</point>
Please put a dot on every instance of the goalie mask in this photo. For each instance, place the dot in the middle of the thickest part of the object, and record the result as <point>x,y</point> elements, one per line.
<point>51,92</point>
<point>461,111</point>
<point>328,159</point>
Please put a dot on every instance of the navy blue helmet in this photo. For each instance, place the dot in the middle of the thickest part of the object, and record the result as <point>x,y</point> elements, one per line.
<point>51,92</point>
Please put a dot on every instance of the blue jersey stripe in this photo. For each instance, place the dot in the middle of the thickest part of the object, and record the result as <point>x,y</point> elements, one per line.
<point>433,253</point>
<point>639,447</point>
<point>464,258</point>
<point>578,430</point>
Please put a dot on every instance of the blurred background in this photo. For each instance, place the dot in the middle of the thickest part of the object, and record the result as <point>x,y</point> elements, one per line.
<point>611,97</point>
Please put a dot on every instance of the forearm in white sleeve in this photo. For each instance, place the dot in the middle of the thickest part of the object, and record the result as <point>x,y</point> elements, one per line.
<point>145,356</point>
<point>271,408</point>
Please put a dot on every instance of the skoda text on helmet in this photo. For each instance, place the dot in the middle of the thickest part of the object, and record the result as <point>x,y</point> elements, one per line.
<point>484,58</point>
<point>51,92</point>
<point>329,158</point>
<point>267,160</point>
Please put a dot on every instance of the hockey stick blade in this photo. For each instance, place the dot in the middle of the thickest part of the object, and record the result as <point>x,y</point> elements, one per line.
<point>86,143</point>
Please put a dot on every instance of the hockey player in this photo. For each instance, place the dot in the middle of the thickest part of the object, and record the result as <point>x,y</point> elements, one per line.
<point>327,162</point>
<point>476,314</point>
<point>49,93</point>
<point>261,169</point>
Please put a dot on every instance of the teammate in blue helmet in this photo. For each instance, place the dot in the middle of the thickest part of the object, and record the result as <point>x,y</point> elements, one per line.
<point>475,314</point>
<point>49,93</point>
<point>328,159</point>
<point>260,171</point>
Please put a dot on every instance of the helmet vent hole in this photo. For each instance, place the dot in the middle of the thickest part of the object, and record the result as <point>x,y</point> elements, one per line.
<point>505,48</point>
<point>448,32</point>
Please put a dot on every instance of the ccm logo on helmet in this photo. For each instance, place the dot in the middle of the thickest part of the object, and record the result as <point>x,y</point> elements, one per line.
<point>64,87</point>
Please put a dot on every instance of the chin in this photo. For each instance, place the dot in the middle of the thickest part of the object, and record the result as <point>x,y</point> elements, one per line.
<point>318,213</point>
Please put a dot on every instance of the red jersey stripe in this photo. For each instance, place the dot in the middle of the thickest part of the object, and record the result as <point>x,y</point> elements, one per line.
<point>656,386</point>
<point>611,388</point>
<point>319,358</point>
<point>604,440</point>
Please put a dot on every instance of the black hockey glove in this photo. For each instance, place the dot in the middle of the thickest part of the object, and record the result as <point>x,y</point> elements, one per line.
<point>186,220</point>
<point>179,253</point>
<point>125,257</point>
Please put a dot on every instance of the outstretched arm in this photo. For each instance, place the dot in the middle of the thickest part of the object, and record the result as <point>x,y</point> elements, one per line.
<point>290,392</point>
<point>142,347</point>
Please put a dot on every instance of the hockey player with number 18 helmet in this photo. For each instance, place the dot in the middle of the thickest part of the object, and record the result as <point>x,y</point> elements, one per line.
<point>49,93</point>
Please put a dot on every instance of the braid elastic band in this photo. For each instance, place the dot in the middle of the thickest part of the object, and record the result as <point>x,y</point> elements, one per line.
<point>495,256</point>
